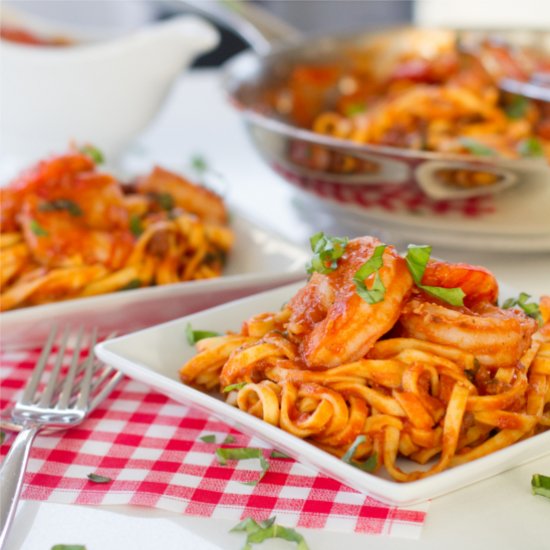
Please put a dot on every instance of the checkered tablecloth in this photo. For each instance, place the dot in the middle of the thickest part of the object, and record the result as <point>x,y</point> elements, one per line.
<point>151,449</point>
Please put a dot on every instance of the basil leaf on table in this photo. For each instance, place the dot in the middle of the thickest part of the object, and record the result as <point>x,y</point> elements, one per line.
<point>243,453</point>
<point>257,532</point>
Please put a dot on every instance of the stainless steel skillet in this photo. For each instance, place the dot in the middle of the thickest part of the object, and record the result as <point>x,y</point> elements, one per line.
<point>254,78</point>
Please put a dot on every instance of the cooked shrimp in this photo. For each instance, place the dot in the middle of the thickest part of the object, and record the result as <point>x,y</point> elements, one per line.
<point>478,284</point>
<point>52,170</point>
<point>71,215</point>
<point>10,202</point>
<point>203,202</point>
<point>497,337</point>
<point>331,323</point>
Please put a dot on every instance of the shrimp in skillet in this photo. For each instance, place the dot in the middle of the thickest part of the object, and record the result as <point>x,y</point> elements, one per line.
<point>72,215</point>
<point>330,321</point>
<point>497,337</point>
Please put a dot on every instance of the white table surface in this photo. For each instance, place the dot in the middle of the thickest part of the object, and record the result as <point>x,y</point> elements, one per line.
<point>499,512</point>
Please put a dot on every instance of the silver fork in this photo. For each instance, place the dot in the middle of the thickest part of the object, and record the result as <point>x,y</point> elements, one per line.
<point>62,404</point>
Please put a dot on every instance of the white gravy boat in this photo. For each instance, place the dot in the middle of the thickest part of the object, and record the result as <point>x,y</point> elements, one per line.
<point>101,92</point>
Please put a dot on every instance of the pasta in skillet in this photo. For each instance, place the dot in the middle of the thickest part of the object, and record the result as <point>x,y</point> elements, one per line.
<point>68,230</point>
<point>380,357</point>
<point>433,95</point>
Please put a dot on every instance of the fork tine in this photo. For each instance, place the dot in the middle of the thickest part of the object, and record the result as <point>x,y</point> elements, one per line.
<point>84,396</point>
<point>116,378</point>
<point>78,379</point>
<point>32,385</point>
<point>69,382</point>
<point>47,394</point>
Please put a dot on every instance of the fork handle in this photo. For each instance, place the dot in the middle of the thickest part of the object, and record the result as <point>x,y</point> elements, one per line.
<point>12,473</point>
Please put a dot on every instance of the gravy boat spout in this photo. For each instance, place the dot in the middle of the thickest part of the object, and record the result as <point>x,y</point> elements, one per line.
<point>100,92</point>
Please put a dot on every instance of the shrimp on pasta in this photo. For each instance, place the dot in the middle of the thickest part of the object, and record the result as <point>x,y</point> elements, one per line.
<point>331,322</point>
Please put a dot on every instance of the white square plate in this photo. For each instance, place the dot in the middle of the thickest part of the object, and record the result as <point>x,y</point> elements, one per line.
<point>155,355</point>
<point>258,261</point>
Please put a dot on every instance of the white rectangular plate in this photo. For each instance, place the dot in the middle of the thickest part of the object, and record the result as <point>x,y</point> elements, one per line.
<point>155,355</point>
<point>259,261</point>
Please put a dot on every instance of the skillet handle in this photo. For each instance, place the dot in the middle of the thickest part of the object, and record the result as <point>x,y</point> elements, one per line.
<point>258,27</point>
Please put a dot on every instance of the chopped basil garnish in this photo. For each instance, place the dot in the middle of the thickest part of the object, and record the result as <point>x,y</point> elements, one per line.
<point>326,252</point>
<point>243,453</point>
<point>236,386</point>
<point>136,226</point>
<point>355,109</point>
<point>377,292</point>
<point>257,532</point>
<point>57,205</point>
<point>369,465</point>
<point>199,163</point>
<point>530,147</point>
<point>134,283</point>
<point>540,485</point>
<point>193,336</point>
<point>68,547</point>
<point>417,259</point>
<point>37,229</point>
<point>99,479</point>
<point>219,256</point>
<point>477,148</point>
<point>2,436</point>
<point>208,438</point>
<point>228,439</point>
<point>94,153</point>
<point>278,454</point>
<point>531,309</point>
<point>517,108</point>
<point>164,200</point>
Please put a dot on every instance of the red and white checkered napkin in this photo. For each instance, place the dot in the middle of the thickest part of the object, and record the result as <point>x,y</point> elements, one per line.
<point>150,447</point>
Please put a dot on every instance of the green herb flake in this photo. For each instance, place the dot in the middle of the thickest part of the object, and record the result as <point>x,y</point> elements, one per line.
<point>368,465</point>
<point>531,309</point>
<point>243,453</point>
<point>228,439</point>
<point>37,229</point>
<point>517,108</point>
<point>136,227</point>
<point>193,336</point>
<point>477,148</point>
<point>164,200</point>
<point>540,485</point>
<point>278,454</point>
<point>2,436</point>
<point>199,163</point>
<point>417,259</point>
<point>58,205</point>
<point>530,148</point>
<point>208,438</point>
<point>134,283</point>
<point>99,479</point>
<point>326,252</point>
<point>94,153</point>
<point>355,109</point>
<point>257,532</point>
<point>234,387</point>
<point>68,547</point>
<point>377,292</point>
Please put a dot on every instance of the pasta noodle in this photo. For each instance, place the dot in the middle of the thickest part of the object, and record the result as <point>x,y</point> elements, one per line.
<point>69,231</point>
<point>408,397</point>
